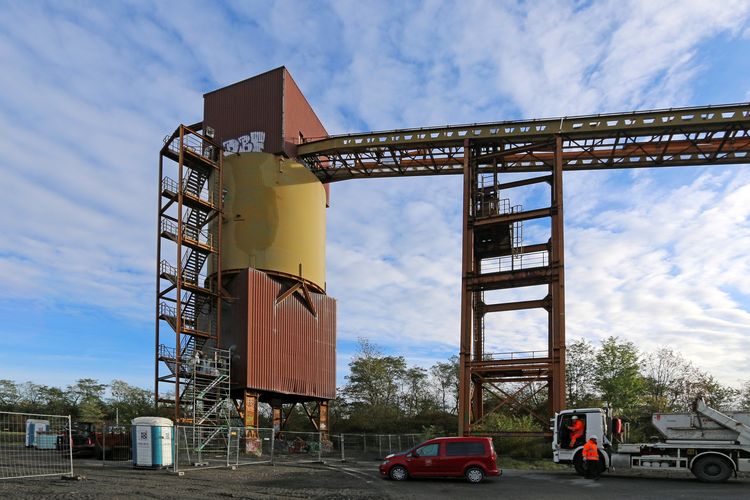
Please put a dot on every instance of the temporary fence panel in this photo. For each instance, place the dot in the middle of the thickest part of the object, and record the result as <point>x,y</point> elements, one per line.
<point>201,446</point>
<point>298,447</point>
<point>113,443</point>
<point>376,446</point>
<point>250,445</point>
<point>34,445</point>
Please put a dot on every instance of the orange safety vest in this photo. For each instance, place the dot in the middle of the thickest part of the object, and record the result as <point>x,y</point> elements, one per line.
<point>590,451</point>
<point>578,428</point>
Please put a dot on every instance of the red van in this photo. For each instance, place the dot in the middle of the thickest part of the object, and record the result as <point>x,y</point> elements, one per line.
<point>470,457</point>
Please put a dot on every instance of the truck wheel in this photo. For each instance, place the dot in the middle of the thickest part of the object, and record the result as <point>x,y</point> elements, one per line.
<point>712,469</point>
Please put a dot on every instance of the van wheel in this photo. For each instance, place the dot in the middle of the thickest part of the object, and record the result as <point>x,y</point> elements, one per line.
<point>712,469</point>
<point>474,475</point>
<point>398,473</point>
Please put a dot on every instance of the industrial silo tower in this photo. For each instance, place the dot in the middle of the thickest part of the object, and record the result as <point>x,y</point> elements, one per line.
<point>247,228</point>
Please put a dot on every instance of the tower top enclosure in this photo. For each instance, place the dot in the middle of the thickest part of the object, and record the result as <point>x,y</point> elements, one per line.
<point>266,113</point>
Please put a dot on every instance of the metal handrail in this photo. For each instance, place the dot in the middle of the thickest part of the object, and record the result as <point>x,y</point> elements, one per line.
<point>488,356</point>
<point>515,262</point>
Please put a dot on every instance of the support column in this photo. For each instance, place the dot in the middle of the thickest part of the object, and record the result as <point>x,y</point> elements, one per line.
<point>277,411</point>
<point>323,419</point>
<point>557,287</point>
<point>467,269</point>
<point>250,409</point>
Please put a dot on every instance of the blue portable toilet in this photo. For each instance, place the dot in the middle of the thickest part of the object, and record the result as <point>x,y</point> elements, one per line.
<point>33,427</point>
<point>152,441</point>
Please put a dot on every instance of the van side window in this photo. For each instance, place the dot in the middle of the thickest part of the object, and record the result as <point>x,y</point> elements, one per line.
<point>431,450</point>
<point>466,449</point>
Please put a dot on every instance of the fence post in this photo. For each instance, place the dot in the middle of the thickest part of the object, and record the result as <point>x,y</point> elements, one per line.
<point>390,446</point>
<point>399,443</point>
<point>273,445</point>
<point>176,448</point>
<point>229,443</point>
<point>70,444</point>
<point>104,444</point>
<point>320,446</point>
<point>380,446</point>
<point>343,454</point>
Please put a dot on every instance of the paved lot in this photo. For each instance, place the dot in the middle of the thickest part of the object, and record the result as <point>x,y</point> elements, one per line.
<point>520,484</point>
<point>355,481</point>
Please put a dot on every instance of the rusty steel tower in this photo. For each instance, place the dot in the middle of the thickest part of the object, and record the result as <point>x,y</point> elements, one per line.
<point>269,140</point>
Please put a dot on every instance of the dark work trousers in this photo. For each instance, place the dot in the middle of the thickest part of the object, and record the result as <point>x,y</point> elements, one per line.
<point>592,469</point>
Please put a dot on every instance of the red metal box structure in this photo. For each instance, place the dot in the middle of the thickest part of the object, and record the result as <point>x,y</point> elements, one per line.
<point>270,103</point>
<point>280,347</point>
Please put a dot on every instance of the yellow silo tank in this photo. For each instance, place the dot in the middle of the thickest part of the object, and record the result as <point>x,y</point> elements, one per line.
<point>274,217</point>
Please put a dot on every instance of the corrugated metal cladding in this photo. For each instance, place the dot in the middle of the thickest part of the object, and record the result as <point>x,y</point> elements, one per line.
<point>270,102</point>
<point>280,348</point>
<point>252,105</point>
<point>300,121</point>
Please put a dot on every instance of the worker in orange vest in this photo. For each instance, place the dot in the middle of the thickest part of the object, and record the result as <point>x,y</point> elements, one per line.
<point>591,458</point>
<point>576,430</point>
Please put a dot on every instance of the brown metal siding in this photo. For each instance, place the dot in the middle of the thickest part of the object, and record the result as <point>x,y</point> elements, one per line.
<point>281,348</point>
<point>251,105</point>
<point>299,117</point>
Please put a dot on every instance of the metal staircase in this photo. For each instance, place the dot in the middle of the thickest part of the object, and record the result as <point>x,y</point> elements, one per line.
<point>188,301</point>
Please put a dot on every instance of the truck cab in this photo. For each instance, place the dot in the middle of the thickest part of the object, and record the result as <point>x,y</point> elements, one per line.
<point>595,420</point>
<point>710,444</point>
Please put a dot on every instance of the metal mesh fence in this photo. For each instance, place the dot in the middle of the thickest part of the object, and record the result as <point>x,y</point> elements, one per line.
<point>376,446</point>
<point>250,446</point>
<point>201,446</point>
<point>299,447</point>
<point>34,445</point>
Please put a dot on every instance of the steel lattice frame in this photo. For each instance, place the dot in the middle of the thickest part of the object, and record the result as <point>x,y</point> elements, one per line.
<point>711,135</point>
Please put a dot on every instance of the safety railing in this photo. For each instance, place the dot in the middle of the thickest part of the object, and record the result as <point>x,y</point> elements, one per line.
<point>189,233</point>
<point>170,272</point>
<point>490,356</point>
<point>515,262</point>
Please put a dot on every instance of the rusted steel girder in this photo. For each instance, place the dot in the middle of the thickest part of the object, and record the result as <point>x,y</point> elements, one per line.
<point>675,137</point>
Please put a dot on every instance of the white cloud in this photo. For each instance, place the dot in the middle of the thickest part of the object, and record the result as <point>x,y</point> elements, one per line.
<point>88,94</point>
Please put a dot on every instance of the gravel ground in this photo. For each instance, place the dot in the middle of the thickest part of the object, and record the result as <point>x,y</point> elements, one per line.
<point>357,481</point>
<point>252,481</point>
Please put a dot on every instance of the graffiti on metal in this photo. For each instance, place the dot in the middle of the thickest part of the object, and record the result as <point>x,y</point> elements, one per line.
<point>250,143</point>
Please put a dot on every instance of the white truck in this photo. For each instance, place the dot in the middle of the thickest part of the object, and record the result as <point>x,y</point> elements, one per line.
<point>710,444</point>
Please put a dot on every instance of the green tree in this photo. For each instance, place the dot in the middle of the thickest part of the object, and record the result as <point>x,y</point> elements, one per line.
<point>55,401</point>
<point>416,396</point>
<point>580,358</point>
<point>745,397</point>
<point>91,410</point>
<point>616,374</point>
<point>31,398</point>
<point>86,389</point>
<point>128,401</point>
<point>445,376</point>
<point>374,379</point>
<point>697,383</point>
<point>373,388</point>
<point>10,395</point>
<point>664,373</point>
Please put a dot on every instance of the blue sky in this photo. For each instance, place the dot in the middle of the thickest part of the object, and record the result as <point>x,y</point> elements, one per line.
<point>658,257</point>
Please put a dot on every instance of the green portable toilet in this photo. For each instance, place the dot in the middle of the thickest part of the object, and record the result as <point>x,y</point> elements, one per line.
<point>153,439</point>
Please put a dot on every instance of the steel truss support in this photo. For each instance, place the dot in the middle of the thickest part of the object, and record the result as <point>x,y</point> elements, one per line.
<point>489,234</point>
